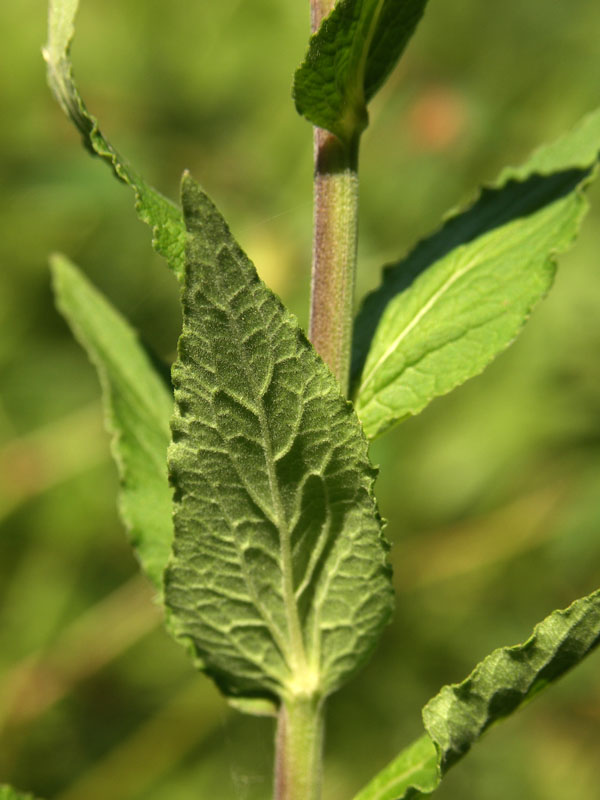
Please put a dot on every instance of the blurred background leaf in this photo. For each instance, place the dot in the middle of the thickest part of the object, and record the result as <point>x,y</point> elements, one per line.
<point>492,493</point>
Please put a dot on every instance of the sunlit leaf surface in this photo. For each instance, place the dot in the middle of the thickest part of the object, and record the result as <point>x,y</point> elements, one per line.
<point>462,296</point>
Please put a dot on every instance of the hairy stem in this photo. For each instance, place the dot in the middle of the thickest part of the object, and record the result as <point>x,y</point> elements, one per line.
<point>299,744</point>
<point>334,240</point>
<point>334,252</point>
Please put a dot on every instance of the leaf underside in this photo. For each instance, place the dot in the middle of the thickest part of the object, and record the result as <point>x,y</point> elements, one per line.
<point>280,580</point>
<point>164,218</point>
<point>459,714</point>
<point>138,406</point>
<point>349,58</point>
<point>462,295</point>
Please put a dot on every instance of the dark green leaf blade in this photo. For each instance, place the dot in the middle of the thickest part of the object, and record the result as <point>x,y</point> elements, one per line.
<point>462,296</point>
<point>8,793</point>
<point>280,579</point>
<point>349,58</point>
<point>138,407</point>
<point>168,230</point>
<point>509,677</point>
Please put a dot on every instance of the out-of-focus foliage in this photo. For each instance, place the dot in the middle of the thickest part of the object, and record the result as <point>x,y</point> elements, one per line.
<point>8,793</point>
<point>491,494</point>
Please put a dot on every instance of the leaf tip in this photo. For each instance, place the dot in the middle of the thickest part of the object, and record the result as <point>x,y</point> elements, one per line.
<point>59,264</point>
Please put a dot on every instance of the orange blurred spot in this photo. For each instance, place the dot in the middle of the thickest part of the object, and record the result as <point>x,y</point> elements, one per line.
<point>437,118</point>
<point>21,469</point>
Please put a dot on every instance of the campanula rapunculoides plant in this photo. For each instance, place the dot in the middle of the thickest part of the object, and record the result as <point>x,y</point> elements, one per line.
<point>246,486</point>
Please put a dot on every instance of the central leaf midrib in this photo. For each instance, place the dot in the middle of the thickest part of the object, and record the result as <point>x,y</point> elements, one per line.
<point>297,661</point>
<point>291,608</point>
<point>425,309</point>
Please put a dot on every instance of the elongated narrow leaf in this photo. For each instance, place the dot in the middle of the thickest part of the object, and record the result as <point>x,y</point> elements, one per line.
<point>280,579</point>
<point>168,231</point>
<point>349,58</point>
<point>138,407</point>
<point>462,296</point>
<point>460,714</point>
<point>457,717</point>
<point>8,793</point>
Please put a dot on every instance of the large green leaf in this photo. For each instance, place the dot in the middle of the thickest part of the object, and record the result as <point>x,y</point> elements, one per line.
<point>8,793</point>
<point>280,579</point>
<point>457,717</point>
<point>461,297</point>
<point>138,407</point>
<point>349,58</point>
<point>168,230</point>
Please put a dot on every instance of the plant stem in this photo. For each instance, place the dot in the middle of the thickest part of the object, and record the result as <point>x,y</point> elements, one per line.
<point>334,252</point>
<point>299,741</point>
<point>299,744</point>
<point>335,239</point>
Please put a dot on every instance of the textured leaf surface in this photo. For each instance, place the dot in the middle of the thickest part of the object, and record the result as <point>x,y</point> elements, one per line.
<point>457,716</point>
<point>349,58</point>
<point>8,793</point>
<point>138,407</point>
<point>461,297</point>
<point>165,219</point>
<point>279,579</point>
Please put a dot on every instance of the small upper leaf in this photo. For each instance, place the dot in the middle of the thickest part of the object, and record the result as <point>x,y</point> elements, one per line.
<point>138,407</point>
<point>168,231</point>
<point>349,58</point>
<point>279,578</point>
<point>462,296</point>
<point>457,717</point>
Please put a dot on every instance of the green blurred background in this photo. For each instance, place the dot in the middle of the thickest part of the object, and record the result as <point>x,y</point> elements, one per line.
<point>492,494</point>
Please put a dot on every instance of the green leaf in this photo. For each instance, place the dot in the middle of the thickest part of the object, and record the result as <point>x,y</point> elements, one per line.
<point>280,579</point>
<point>412,774</point>
<point>138,407</point>
<point>8,793</point>
<point>168,230</point>
<point>349,58</point>
<point>462,296</point>
<point>457,717</point>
